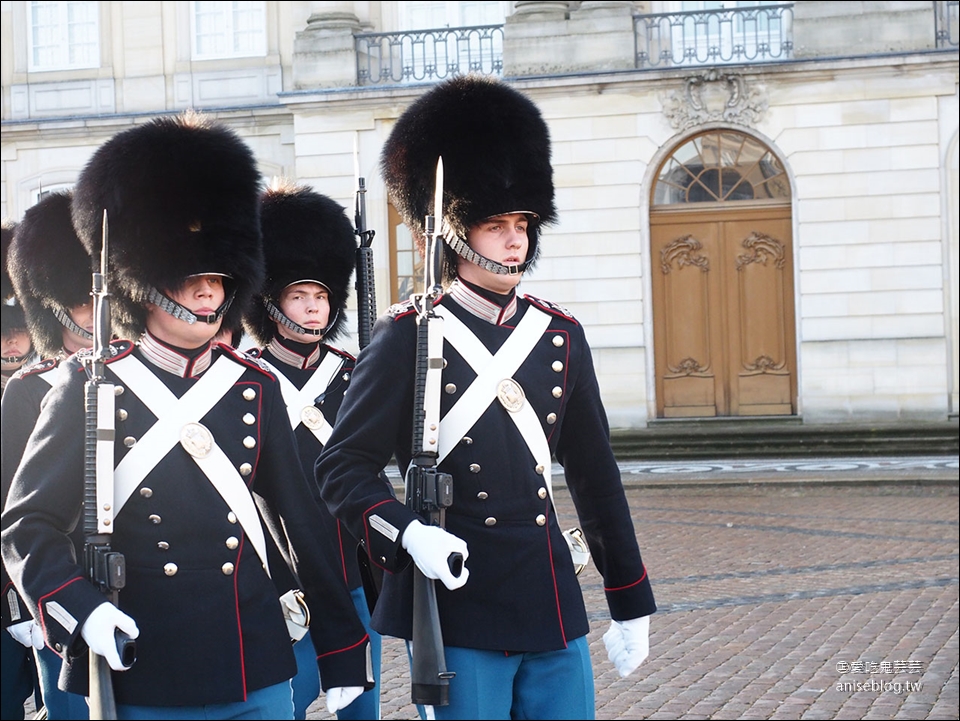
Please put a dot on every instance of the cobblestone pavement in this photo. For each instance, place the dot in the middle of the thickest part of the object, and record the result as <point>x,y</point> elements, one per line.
<point>819,596</point>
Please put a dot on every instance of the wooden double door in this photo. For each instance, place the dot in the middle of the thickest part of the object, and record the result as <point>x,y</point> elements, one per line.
<point>723,308</point>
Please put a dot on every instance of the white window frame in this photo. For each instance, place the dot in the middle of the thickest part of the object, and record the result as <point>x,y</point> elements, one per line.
<point>59,43</point>
<point>226,22</point>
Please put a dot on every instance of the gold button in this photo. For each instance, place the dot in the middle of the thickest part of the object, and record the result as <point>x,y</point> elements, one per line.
<point>482,495</point>
<point>154,518</point>
<point>249,394</point>
<point>539,468</point>
<point>163,545</point>
<point>249,419</point>
<point>232,517</point>
<point>146,492</point>
<point>542,493</point>
<point>249,442</point>
<point>118,390</point>
<point>346,377</point>
<point>58,646</point>
<point>227,569</point>
<point>557,391</point>
<point>557,366</point>
<point>450,388</point>
<point>491,521</point>
<point>121,414</point>
<point>467,441</point>
<point>558,340</point>
<point>474,467</point>
<point>245,469</point>
<point>232,543</point>
<point>129,441</point>
<point>541,520</point>
<point>551,418</point>
<point>170,569</point>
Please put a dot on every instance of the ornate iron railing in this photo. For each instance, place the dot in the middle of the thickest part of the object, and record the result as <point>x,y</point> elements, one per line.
<point>714,37</point>
<point>945,14</point>
<point>425,55</point>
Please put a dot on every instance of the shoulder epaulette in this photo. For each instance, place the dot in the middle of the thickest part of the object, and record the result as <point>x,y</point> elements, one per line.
<point>254,352</point>
<point>341,353</point>
<point>39,367</point>
<point>400,309</point>
<point>550,307</point>
<point>118,349</point>
<point>244,359</point>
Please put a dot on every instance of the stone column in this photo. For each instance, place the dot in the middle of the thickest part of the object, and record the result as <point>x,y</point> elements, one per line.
<point>823,29</point>
<point>324,53</point>
<point>604,33</point>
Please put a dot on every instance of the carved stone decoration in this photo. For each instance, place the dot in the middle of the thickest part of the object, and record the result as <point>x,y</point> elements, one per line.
<point>762,248</point>
<point>714,96</point>
<point>685,252</point>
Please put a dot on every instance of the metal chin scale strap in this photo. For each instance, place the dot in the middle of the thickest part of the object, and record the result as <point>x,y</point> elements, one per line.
<point>278,315</point>
<point>67,322</point>
<point>183,313</point>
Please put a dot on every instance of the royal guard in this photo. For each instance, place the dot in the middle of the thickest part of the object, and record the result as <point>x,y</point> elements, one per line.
<point>206,485</point>
<point>310,252</point>
<point>17,346</point>
<point>517,389</point>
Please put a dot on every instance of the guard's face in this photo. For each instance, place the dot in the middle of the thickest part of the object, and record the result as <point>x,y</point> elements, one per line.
<point>307,304</point>
<point>201,294</point>
<point>502,238</point>
<point>16,343</point>
<point>82,315</point>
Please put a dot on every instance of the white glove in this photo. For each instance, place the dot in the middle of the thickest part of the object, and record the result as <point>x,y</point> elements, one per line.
<point>430,547</point>
<point>296,614</point>
<point>628,643</point>
<point>342,696</point>
<point>28,633</point>
<point>98,632</point>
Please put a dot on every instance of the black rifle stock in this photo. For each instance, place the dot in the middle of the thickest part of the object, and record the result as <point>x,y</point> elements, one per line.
<point>366,291</point>
<point>428,491</point>
<point>105,568</point>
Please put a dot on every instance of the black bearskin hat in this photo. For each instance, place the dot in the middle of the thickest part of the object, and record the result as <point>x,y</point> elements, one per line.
<point>182,196</point>
<point>496,158</point>
<point>50,269</point>
<point>306,236</point>
<point>13,318</point>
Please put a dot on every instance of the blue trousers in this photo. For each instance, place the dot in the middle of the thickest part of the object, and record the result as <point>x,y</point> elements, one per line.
<point>60,705</point>
<point>272,702</point>
<point>306,684</point>
<point>17,677</point>
<point>543,685</point>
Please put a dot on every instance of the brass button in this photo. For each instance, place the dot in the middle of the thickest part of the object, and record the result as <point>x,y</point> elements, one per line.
<point>118,390</point>
<point>450,388</point>
<point>542,493</point>
<point>58,646</point>
<point>551,418</point>
<point>227,569</point>
<point>232,543</point>
<point>346,377</point>
<point>245,469</point>
<point>482,495</point>
<point>129,441</point>
<point>163,545</point>
<point>539,468</point>
<point>249,394</point>
<point>154,518</point>
<point>121,414</point>
<point>467,441</point>
<point>249,419</point>
<point>249,442</point>
<point>146,492</point>
<point>541,520</point>
<point>557,366</point>
<point>558,340</point>
<point>491,521</point>
<point>474,467</point>
<point>557,391</point>
<point>232,517</point>
<point>170,569</point>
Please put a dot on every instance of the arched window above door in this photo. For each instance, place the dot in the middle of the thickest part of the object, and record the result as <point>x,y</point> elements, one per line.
<point>721,166</point>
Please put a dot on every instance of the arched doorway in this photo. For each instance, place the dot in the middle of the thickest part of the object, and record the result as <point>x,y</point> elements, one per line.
<point>722,280</point>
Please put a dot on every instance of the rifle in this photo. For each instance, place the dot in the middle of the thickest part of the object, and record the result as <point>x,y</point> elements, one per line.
<point>366,294</point>
<point>428,491</point>
<point>105,567</point>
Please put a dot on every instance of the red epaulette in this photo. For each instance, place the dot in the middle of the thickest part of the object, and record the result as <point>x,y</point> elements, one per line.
<point>341,353</point>
<point>552,308</point>
<point>245,359</point>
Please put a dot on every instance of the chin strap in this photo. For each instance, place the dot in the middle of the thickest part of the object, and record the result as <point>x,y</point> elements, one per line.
<point>278,315</point>
<point>15,359</point>
<point>180,312</point>
<point>460,247</point>
<point>67,322</point>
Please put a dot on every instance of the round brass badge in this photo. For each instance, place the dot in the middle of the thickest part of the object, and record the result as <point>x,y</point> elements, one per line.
<point>312,417</point>
<point>510,395</point>
<point>196,439</point>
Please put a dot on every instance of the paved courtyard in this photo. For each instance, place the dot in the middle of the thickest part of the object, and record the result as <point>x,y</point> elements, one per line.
<point>786,590</point>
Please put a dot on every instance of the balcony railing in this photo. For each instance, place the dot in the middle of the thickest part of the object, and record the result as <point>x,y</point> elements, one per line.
<point>714,37</point>
<point>945,14</point>
<point>427,55</point>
